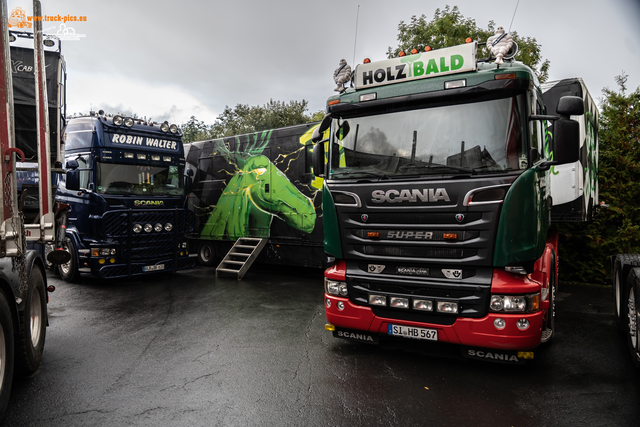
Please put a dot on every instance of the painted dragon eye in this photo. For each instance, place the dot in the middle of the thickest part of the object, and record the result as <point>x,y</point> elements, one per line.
<point>259,171</point>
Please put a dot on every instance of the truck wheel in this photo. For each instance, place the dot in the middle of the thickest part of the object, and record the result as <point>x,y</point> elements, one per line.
<point>69,271</point>
<point>206,254</point>
<point>632,299</point>
<point>33,320</point>
<point>6,353</point>
<point>618,287</point>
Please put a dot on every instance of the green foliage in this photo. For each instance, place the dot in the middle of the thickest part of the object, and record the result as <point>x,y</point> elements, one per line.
<point>194,130</point>
<point>449,28</point>
<point>246,119</point>
<point>584,250</point>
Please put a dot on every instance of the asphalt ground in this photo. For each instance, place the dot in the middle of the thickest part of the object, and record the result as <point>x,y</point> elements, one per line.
<point>189,349</point>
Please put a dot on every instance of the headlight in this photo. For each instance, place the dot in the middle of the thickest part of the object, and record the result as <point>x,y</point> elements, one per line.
<point>168,227</point>
<point>378,300</point>
<point>447,307</point>
<point>335,288</point>
<point>397,302</point>
<point>515,303</point>
<point>118,120</point>
<point>423,304</point>
<point>137,228</point>
<point>157,227</point>
<point>148,228</point>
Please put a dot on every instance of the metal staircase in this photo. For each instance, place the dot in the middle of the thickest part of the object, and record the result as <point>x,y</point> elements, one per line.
<point>242,254</point>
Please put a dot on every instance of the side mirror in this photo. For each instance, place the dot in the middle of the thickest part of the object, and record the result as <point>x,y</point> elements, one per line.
<point>72,164</point>
<point>72,180</point>
<point>343,131</point>
<point>319,131</point>
<point>317,159</point>
<point>566,132</point>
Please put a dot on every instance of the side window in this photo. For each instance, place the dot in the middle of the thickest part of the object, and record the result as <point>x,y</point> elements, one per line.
<point>537,132</point>
<point>83,168</point>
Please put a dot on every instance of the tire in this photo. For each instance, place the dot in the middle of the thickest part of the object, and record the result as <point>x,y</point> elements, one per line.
<point>206,254</point>
<point>69,271</point>
<point>33,321</point>
<point>549,323</point>
<point>6,353</point>
<point>632,299</point>
<point>618,282</point>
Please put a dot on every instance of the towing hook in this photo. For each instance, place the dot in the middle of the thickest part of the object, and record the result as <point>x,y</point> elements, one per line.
<point>8,151</point>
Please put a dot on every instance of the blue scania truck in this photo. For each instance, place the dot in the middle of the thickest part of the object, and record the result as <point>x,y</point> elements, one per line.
<point>125,188</point>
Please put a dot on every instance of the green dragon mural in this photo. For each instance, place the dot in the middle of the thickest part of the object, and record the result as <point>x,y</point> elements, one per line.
<point>256,193</point>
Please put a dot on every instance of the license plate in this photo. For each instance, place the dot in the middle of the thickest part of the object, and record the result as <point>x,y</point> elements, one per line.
<point>156,267</point>
<point>415,333</point>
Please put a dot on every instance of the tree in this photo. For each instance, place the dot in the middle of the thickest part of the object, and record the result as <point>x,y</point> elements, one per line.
<point>246,119</point>
<point>194,130</point>
<point>585,251</point>
<point>449,28</point>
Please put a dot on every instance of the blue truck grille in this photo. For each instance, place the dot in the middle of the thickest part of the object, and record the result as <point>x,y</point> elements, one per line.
<point>118,226</point>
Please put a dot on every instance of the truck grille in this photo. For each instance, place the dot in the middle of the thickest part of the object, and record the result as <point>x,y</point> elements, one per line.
<point>118,225</point>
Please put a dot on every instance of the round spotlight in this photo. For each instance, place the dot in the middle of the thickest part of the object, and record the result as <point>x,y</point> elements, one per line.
<point>137,228</point>
<point>499,323</point>
<point>49,43</point>
<point>148,228</point>
<point>118,120</point>
<point>128,122</point>
<point>328,303</point>
<point>340,305</point>
<point>168,227</point>
<point>173,128</point>
<point>164,127</point>
<point>157,227</point>
<point>522,324</point>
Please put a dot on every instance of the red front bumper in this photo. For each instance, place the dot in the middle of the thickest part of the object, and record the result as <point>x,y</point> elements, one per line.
<point>465,331</point>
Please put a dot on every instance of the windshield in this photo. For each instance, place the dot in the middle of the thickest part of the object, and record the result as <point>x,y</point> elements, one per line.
<point>115,178</point>
<point>474,138</point>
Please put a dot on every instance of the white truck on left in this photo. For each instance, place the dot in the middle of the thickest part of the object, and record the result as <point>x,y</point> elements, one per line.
<point>23,283</point>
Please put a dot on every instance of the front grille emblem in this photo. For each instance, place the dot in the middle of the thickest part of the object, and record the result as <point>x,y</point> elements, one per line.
<point>364,217</point>
<point>459,217</point>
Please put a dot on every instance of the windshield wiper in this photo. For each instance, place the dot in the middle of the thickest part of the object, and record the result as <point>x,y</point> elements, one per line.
<point>366,173</point>
<point>436,166</point>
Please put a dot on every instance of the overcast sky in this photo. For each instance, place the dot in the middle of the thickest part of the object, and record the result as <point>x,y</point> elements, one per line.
<point>175,59</point>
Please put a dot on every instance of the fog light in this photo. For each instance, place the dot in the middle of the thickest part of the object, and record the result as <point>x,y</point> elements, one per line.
<point>101,261</point>
<point>399,302</point>
<point>422,304</point>
<point>377,300</point>
<point>499,323</point>
<point>340,305</point>
<point>522,324</point>
<point>112,260</point>
<point>137,228</point>
<point>447,307</point>
<point>148,228</point>
<point>157,227</point>
<point>168,227</point>
<point>328,303</point>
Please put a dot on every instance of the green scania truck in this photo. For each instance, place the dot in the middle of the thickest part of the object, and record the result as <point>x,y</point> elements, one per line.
<point>444,174</point>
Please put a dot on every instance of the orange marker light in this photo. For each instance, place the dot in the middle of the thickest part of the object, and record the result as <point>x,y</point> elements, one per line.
<point>427,48</point>
<point>366,61</point>
<point>401,54</point>
<point>334,102</point>
<point>373,234</point>
<point>504,76</point>
<point>414,51</point>
<point>450,236</point>
<point>468,40</point>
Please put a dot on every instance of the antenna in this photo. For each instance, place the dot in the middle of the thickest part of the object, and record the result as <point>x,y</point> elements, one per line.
<point>356,37</point>
<point>514,15</point>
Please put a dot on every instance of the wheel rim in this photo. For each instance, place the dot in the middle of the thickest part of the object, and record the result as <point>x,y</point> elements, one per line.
<point>35,317</point>
<point>633,320</point>
<point>66,267</point>
<point>205,253</point>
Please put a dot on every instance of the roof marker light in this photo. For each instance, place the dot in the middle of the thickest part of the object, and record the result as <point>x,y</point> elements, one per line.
<point>427,48</point>
<point>401,54</point>
<point>414,51</point>
<point>453,84</point>
<point>368,96</point>
<point>468,40</point>
<point>366,61</point>
<point>504,76</point>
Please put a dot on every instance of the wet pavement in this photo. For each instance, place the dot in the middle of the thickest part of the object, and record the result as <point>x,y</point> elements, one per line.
<point>187,349</point>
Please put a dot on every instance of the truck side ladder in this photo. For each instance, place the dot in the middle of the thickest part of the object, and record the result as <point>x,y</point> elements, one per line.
<point>242,254</point>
